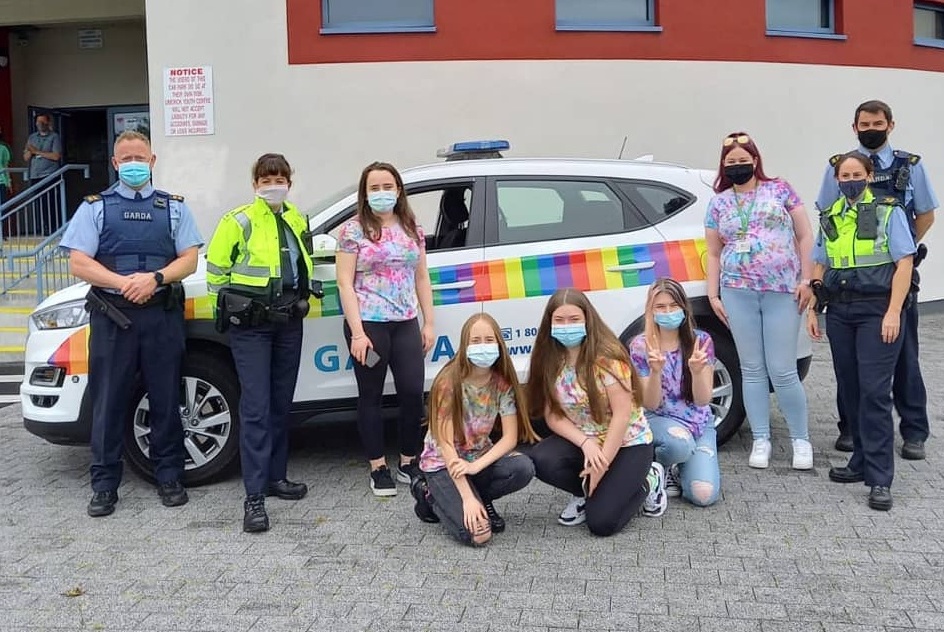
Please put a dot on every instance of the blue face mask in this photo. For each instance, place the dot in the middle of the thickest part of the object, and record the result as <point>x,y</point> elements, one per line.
<point>569,335</point>
<point>483,355</point>
<point>852,189</point>
<point>382,201</point>
<point>669,320</point>
<point>134,174</point>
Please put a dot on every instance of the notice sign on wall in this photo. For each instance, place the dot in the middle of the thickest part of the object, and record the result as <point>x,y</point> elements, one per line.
<point>188,101</point>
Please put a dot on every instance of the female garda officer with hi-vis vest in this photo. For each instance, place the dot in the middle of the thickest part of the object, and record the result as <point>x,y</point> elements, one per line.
<point>863,258</point>
<point>258,275</point>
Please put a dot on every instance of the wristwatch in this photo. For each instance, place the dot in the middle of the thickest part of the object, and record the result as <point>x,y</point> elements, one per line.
<point>159,277</point>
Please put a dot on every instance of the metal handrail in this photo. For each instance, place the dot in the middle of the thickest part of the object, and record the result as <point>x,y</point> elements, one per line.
<point>37,188</point>
<point>23,171</point>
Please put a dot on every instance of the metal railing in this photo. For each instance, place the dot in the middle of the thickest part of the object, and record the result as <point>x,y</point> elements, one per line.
<point>33,222</point>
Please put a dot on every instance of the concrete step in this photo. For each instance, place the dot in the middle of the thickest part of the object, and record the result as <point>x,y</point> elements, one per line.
<point>11,374</point>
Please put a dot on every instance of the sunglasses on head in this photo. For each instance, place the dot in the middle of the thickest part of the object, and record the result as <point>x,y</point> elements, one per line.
<point>740,139</point>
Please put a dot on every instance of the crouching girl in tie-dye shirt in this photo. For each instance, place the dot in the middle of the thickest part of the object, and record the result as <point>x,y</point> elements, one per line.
<point>464,471</point>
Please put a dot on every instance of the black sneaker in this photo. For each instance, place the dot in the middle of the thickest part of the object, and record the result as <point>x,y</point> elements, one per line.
<point>497,522</point>
<point>255,518</point>
<point>102,504</point>
<point>381,483</point>
<point>913,450</point>
<point>172,494</point>
<point>420,492</point>
<point>408,472</point>
<point>287,490</point>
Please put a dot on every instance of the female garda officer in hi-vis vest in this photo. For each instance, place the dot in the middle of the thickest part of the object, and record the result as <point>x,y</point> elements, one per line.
<point>258,275</point>
<point>863,258</point>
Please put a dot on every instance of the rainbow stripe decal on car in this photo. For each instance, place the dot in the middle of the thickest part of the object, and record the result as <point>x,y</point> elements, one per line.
<point>495,280</point>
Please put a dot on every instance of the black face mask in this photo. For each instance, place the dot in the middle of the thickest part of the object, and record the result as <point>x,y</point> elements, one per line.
<point>739,174</point>
<point>873,138</point>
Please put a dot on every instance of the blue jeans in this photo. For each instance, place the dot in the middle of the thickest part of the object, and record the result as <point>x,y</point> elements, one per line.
<point>697,459</point>
<point>765,326</point>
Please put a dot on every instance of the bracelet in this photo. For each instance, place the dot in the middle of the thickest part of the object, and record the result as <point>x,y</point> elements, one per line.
<point>583,442</point>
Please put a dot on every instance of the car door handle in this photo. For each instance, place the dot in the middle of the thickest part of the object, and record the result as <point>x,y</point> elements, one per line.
<point>629,267</point>
<point>459,285</point>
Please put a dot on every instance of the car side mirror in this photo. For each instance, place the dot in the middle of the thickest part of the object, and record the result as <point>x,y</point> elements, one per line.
<point>323,248</point>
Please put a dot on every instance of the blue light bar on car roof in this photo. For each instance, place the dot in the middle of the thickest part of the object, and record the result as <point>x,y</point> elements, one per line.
<point>474,149</point>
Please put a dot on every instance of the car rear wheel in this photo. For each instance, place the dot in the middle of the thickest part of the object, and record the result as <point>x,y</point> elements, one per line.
<point>209,414</point>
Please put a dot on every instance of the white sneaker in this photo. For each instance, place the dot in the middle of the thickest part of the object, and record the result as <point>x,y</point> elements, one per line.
<point>802,455</point>
<point>657,500</point>
<point>574,513</point>
<point>673,485</point>
<point>760,454</point>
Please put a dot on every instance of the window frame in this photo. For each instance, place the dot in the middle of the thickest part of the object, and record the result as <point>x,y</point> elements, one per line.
<point>633,219</point>
<point>931,42</point>
<point>393,26</point>
<point>640,203</point>
<point>830,32</point>
<point>649,26</point>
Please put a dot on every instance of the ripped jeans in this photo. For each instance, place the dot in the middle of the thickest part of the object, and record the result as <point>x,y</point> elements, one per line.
<point>699,474</point>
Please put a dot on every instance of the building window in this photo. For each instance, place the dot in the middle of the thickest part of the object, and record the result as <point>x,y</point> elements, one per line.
<point>377,16</point>
<point>929,25</point>
<point>606,15</point>
<point>798,17</point>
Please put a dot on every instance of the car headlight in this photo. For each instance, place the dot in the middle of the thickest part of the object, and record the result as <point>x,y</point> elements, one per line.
<point>62,316</point>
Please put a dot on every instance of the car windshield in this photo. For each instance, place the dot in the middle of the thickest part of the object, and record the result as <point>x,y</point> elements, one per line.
<point>328,202</point>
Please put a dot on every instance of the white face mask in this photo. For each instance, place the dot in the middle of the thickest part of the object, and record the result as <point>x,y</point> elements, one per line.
<point>274,194</point>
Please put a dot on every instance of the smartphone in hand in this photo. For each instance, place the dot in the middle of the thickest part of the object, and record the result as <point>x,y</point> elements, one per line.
<point>372,358</point>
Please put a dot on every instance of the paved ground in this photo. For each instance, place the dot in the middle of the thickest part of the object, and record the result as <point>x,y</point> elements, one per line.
<point>782,551</point>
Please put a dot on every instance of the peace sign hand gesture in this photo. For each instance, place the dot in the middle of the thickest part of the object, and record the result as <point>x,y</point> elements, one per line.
<point>656,359</point>
<point>699,360</point>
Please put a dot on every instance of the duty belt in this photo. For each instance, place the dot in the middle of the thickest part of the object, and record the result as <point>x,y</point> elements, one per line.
<point>846,296</point>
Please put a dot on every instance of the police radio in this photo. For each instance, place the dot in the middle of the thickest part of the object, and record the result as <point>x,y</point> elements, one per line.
<point>866,221</point>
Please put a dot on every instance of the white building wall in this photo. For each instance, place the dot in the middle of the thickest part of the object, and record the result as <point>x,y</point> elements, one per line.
<point>330,120</point>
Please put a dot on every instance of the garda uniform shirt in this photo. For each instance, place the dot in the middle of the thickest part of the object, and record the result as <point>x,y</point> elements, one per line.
<point>919,188</point>
<point>385,272</point>
<point>85,227</point>
<point>762,218</point>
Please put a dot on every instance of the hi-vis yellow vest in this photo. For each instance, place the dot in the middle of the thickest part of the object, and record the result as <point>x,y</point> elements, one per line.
<point>244,251</point>
<point>848,250</point>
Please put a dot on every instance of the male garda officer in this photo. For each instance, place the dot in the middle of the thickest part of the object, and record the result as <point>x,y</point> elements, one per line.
<point>901,175</point>
<point>133,245</point>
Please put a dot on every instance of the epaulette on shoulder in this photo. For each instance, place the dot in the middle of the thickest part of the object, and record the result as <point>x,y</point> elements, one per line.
<point>911,158</point>
<point>834,159</point>
<point>177,198</point>
<point>92,199</point>
<point>888,200</point>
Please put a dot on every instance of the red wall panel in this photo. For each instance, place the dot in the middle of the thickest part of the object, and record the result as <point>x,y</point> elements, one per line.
<point>879,33</point>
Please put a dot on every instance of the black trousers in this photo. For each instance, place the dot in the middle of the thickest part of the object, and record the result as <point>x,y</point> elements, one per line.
<point>267,360</point>
<point>908,391</point>
<point>864,366</point>
<point>618,496</point>
<point>400,346</point>
<point>153,345</point>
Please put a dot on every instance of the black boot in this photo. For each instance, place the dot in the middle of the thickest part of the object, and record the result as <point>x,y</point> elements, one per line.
<point>422,508</point>
<point>255,518</point>
<point>497,522</point>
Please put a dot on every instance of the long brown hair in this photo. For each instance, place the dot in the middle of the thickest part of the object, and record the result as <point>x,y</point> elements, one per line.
<point>446,392</point>
<point>369,221</point>
<point>686,332</point>
<point>548,357</point>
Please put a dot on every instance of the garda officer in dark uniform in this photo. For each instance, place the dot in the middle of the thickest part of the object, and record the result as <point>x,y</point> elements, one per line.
<point>133,245</point>
<point>901,175</point>
<point>863,263</point>
<point>258,275</point>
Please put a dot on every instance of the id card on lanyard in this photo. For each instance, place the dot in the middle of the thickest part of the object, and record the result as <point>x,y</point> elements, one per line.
<point>742,244</point>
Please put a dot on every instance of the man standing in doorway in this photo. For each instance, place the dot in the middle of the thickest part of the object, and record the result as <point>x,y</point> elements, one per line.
<point>901,175</point>
<point>41,155</point>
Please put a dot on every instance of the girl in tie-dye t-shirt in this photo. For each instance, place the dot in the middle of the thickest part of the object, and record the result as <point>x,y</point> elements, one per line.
<point>465,471</point>
<point>600,449</point>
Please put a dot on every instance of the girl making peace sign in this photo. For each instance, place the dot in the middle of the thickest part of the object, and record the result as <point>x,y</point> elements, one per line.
<point>675,363</point>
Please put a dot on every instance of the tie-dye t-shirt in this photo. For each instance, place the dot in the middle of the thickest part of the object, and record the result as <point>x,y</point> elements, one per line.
<point>385,274</point>
<point>576,403</point>
<point>483,406</point>
<point>773,264</point>
<point>673,404</point>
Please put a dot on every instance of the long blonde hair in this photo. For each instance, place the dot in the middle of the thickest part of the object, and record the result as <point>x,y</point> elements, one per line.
<point>548,357</point>
<point>446,392</point>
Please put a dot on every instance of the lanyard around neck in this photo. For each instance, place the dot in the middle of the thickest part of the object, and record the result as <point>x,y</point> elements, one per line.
<point>744,214</point>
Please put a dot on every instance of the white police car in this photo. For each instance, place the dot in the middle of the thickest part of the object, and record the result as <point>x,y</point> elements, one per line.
<point>502,235</point>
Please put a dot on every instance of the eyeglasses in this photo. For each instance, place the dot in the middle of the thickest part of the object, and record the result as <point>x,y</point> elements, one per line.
<point>740,139</point>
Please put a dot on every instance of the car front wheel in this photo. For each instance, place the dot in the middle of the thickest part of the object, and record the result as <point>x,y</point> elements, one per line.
<point>209,414</point>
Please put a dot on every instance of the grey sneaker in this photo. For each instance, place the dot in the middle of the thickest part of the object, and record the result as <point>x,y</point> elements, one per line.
<point>574,513</point>
<point>657,500</point>
<point>673,485</point>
